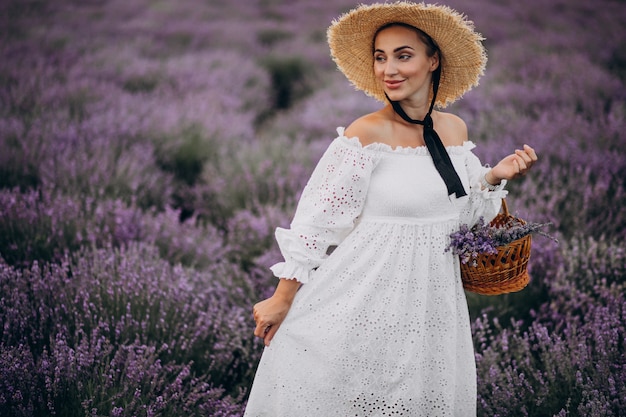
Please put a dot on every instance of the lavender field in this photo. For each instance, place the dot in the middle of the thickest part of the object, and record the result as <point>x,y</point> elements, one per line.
<point>148,149</point>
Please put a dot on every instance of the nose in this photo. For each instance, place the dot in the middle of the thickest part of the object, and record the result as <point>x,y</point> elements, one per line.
<point>390,68</point>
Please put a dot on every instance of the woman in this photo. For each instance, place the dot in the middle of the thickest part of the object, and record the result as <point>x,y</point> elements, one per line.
<point>369,316</point>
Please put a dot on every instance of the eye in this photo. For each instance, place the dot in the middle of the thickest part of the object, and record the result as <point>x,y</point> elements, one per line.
<point>404,57</point>
<point>379,58</point>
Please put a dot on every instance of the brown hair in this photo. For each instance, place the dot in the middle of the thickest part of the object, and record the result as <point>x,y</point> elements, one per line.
<point>431,46</point>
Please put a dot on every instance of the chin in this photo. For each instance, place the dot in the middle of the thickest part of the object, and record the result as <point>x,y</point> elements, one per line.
<point>395,95</point>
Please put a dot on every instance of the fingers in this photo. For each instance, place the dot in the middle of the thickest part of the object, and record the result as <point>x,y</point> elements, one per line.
<point>269,334</point>
<point>521,163</point>
<point>261,329</point>
<point>531,153</point>
<point>268,315</point>
<point>261,325</point>
<point>265,331</point>
<point>515,164</point>
<point>525,159</point>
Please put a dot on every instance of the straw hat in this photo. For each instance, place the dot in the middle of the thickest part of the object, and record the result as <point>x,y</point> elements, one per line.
<point>463,60</point>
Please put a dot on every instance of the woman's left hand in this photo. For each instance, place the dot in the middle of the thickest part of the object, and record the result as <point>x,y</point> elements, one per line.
<point>512,166</point>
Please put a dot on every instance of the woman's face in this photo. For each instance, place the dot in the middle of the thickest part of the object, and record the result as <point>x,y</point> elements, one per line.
<point>402,65</point>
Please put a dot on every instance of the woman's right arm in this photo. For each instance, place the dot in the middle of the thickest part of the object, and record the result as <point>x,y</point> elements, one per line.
<point>330,202</point>
<point>270,313</point>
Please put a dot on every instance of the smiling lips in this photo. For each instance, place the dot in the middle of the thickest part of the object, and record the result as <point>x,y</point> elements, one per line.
<point>393,84</point>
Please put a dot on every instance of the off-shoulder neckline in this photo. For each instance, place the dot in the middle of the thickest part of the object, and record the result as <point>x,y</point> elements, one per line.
<point>418,150</point>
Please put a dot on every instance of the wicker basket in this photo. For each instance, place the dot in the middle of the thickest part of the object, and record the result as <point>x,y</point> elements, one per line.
<point>503,272</point>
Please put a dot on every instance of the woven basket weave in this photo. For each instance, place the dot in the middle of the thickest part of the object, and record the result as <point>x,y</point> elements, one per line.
<point>503,272</point>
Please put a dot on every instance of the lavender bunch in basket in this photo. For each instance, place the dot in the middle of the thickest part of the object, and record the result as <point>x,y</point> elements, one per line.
<point>468,243</point>
<point>516,229</point>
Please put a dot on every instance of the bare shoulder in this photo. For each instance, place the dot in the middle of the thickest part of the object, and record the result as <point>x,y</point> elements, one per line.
<point>369,128</point>
<point>451,128</point>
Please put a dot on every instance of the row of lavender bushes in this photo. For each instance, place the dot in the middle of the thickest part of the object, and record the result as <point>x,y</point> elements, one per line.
<point>149,149</point>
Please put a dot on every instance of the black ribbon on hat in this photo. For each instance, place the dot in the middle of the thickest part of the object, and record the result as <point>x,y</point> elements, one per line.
<point>437,151</point>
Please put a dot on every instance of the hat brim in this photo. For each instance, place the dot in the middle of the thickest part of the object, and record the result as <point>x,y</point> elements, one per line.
<point>463,59</point>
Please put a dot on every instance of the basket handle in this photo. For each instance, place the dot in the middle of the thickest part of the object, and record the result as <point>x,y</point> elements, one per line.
<point>505,208</point>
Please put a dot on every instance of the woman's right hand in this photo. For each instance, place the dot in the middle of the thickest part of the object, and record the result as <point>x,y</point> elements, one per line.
<point>270,313</point>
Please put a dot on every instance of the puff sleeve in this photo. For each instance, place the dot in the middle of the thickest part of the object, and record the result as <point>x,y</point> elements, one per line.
<point>330,203</point>
<point>482,202</point>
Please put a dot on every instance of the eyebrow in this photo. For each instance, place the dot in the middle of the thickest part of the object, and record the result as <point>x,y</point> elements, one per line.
<point>395,50</point>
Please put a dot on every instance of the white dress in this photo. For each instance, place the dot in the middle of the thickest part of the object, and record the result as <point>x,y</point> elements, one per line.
<point>380,326</point>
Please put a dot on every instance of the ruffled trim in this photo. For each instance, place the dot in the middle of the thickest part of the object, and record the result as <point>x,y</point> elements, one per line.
<point>290,270</point>
<point>496,194</point>
<point>403,150</point>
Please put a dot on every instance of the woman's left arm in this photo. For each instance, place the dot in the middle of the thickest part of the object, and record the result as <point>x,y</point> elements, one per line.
<point>487,185</point>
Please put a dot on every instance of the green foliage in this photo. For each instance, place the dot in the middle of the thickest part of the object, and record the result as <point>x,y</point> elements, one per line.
<point>16,10</point>
<point>178,40</point>
<point>17,164</point>
<point>290,79</point>
<point>617,63</point>
<point>186,152</point>
<point>77,102</point>
<point>141,83</point>
<point>270,37</point>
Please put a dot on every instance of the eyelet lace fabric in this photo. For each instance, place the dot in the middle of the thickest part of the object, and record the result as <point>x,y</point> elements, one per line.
<point>380,326</point>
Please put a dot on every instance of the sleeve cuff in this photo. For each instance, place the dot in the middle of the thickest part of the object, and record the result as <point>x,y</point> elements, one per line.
<point>497,192</point>
<point>290,270</point>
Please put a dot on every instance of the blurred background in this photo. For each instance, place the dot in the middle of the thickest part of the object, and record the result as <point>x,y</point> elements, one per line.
<point>148,150</point>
